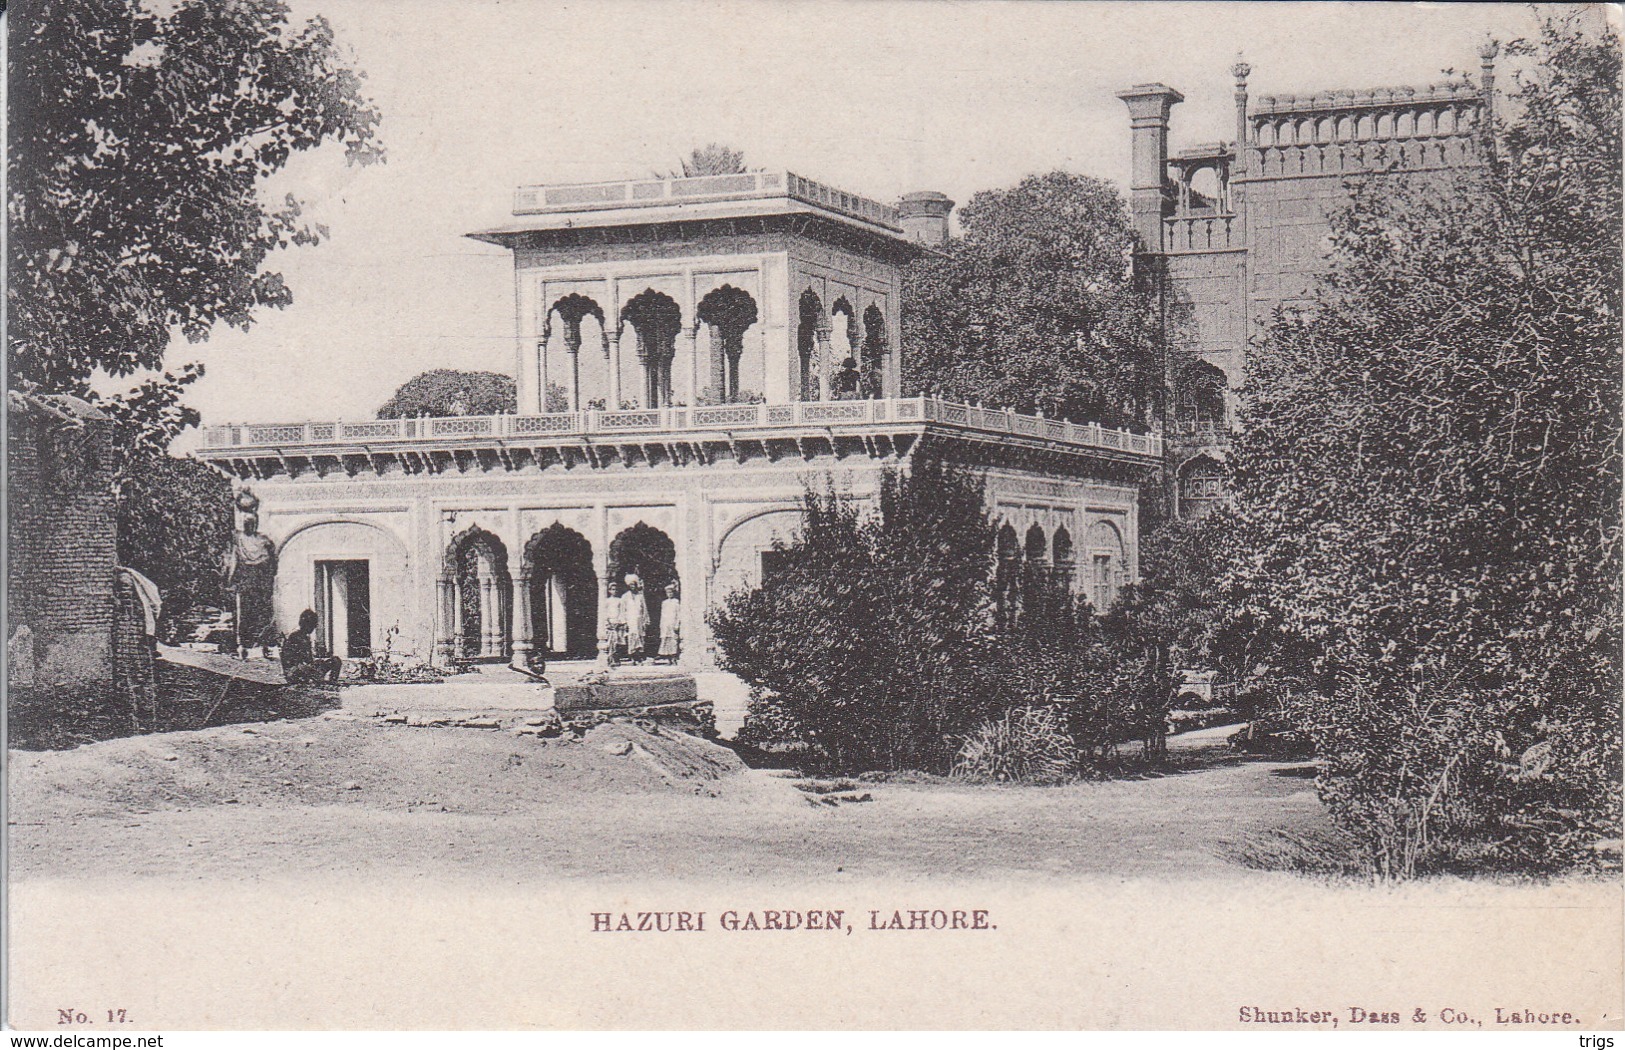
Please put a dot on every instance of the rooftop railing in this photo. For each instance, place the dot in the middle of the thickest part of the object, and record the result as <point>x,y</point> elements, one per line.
<point>642,193</point>
<point>247,437</point>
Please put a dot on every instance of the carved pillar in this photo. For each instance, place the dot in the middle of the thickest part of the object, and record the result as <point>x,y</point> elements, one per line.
<point>490,618</point>
<point>1240,71</point>
<point>523,641</point>
<point>688,351</point>
<point>445,634</point>
<point>541,368</point>
<point>821,356</point>
<point>600,565</point>
<point>572,347</point>
<point>613,340</point>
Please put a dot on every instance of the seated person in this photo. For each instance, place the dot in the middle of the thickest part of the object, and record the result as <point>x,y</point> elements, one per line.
<point>847,381</point>
<point>299,660</point>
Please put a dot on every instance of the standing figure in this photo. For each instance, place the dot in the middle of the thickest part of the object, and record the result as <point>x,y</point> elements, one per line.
<point>251,575</point>
<point>616,624</point>
<point>671,615</point>
<point>635,611</point>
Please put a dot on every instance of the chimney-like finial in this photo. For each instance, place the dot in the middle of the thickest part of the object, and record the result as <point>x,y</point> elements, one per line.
<point>1488,50</point>
<point>1241,70</point>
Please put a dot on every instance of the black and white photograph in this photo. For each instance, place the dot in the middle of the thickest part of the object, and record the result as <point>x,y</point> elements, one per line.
<point>843,514</point>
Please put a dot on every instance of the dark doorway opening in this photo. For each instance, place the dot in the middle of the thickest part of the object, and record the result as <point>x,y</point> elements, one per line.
<point>563,593</point>
<point>344,607</point>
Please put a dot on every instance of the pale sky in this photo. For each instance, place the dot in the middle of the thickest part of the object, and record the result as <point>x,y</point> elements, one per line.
<point>878,97</point>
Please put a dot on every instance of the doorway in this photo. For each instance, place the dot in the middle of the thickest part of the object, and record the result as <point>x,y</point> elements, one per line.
<point>344,608</point>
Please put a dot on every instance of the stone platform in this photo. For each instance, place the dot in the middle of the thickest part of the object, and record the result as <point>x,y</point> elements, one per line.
<point>570,686</point>
<point>499,690</point>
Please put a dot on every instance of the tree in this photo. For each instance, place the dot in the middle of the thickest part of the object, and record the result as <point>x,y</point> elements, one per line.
<point>448,392</point>
<point>1035,307</point>
<point>139,139</point>
<point>712,159</point>
<point>1429,485</point>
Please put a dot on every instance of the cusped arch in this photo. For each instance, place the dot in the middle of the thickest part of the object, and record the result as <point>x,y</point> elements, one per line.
<point>473,535</point>
<point>728,307</point>
<point>1061,547</point>
<point>1036,544</point>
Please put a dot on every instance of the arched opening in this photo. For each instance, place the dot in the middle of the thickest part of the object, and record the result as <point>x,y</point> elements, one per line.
<point>843,351</point>
<point>1206,194</point>
<point>1106,564</point>
<point>656,320</point>
<point>477,564</point>
<point>1202,395</point>
<point>729,312</point>
<point>642,563</point>
<point>1037,547</point>
<point>1061,558</point>
<point>570,311</point>
<point>873,362</point>
<point>563,593</point>
<point>808,363</point>
<point>1201,487</point>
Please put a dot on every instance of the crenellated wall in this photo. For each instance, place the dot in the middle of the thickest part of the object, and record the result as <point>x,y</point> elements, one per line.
<point>1243,228</point>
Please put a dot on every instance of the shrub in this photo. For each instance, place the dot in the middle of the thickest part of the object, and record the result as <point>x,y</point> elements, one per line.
<point>872,641</point>
<point>881,644</point>
<point>1027,745</point>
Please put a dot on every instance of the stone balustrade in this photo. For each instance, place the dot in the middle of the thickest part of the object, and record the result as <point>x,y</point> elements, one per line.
<point>643,193</point>
<point>518,429</point>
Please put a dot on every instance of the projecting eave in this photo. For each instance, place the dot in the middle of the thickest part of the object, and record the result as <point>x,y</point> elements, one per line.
<point>510,234</point>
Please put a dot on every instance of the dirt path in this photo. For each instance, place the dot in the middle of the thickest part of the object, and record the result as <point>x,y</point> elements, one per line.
<point>337,795</point>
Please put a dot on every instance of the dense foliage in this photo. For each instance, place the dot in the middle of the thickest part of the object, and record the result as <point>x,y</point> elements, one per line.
<point>175,523</point>
<point>1429,484</point>
<point>448,392</point>
<point>139,140</point>
<point>713,158</point>
<point>893,640</point>
<point>873,635</point>
<point>1034,307</point>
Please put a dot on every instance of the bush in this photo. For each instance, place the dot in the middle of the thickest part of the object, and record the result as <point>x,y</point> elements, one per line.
<point>1028,745</point>
<point>872,641</point>
<point>881,644</point>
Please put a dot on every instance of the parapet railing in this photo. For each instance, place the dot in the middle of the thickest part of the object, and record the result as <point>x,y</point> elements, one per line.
<point>587,196</point>
<point>246,436</point>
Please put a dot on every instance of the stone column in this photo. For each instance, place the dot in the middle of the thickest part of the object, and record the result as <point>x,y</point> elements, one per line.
<point>572,346</point>
<point>688,349</point>
<point>613,338</point>
<point>1240,71</point>
<point>821,354</point>
<point>490,623</point>
<point>445,635</point>
<point>523,640</point>
<point>600,565</point>
<point>541,374</point>
<point>1148,106</point>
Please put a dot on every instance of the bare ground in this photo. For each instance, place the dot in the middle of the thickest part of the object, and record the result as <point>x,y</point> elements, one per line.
<point>341,795</point>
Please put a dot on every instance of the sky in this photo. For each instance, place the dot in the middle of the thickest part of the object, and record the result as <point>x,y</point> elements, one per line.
<point>878,97</point>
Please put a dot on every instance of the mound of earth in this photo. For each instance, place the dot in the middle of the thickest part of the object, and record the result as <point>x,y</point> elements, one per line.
<point>345,761</point>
